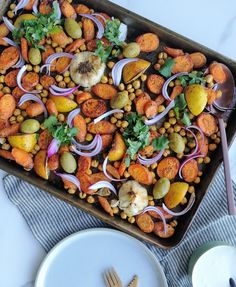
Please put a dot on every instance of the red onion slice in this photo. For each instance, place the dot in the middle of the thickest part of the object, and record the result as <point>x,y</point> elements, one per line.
<point>35,6</point>
<point>165,86</point>
<point>29,97</point>
<point>10,42</point>
<point>158,211</point>
<point>161,115</point>
<point>55,56</point>
<point>196,142</point>
<point>97,14</point>
<point>123,29</point>
<point>21,4</point>
<point>9,25</point>
<point>96,151</point>
<point>107,114</point>
<point>18,79</point>
<point>56,91</point>
<point>104,168</point>
<point>47,66</point>
<point>86,147</point>
<point>71,116</point>
<point>201,133</point>
<point>187,160</point>
<point>116,72</point>
<point>187,208</point>
<point>102,184</point>
<point>53,147</point>
<point>149,161</point>
<point>97,22</point>
<point>70,178</point>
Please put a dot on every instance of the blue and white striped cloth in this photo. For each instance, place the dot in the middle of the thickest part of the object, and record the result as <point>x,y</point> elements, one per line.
<point>51,220</point>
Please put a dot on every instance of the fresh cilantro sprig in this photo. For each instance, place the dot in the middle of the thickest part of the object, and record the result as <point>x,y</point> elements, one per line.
<point>192,78</point>
<point>37,29</point>
<point>180,108</point>
<point>160,143</point>
<point>102,51</point>
<point>112,31</point>
<point>165,70</point>
<point>62,132</point>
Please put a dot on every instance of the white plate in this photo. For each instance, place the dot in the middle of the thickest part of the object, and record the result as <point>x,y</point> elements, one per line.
<point>80,260</point>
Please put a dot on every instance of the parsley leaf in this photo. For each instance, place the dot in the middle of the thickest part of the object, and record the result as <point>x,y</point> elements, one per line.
<point>185,119</point>
<point>136,135</point>
<point>62,132</point>
<point>112,31</point>
<point>192,78</point>
<point>180,105</point>
<point>102,51</point>
<point>160,143</point>
<point>165,70</point>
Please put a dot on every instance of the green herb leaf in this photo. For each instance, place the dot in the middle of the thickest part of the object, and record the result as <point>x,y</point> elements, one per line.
<point>192,78</point>
<point>127,161</point>
<point>112,31</point>
<point>185,119</point>
<point>160,143</point>
<point>180,105</point>
<point>102,51</point>
<point>165,70</point>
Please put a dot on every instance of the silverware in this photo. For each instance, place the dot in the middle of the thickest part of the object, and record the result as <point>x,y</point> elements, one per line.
<point>134,282</point>
<point>220,109</point>
<point>112,279</point>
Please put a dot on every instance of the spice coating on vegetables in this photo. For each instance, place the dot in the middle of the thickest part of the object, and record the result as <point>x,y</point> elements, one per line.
<point>82,104</point>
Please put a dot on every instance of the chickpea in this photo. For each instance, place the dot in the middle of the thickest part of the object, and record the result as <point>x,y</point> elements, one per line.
<point>184,201</point>
<point>212,147</point>
<point>39,87</point>
<point>89,137</point>
<point>37,147</point>
<point>2,140</point>
<point>36,69</point>
<point>166,125</point>
<point>166,153</point>
<point>138,92</point>
<point>90,199</point>
<point>54,45</point>
<point>180,155</point>
<point>2,79</point>
<point>191,144</point>
<point>12,6</point>
<point>191,116</point>
<point>49,41</point>
<point>200,160</point>
<point>129,86</point>
<point>191,189</point>
<point>71,84</point>
<point>82,47</point>
<point>67,80</point>
<point>170,130</point>
<point>206,159</point>
<point>104,79</point>
<point>143,78</point>
<point>153,174</point>
<point>123,215</point>
<point>116,164</point>
<point>1,86</point>
<point>161,109</point>
<point>160,55</point>
<point>110,81</point>
<point>154,165</point>
<point>177,83</point>
<point>182,133</point>
<point>165,56</point>
<point>59,49</point>
<point>71,190</point>
<point>121,87</point>
<point>209,79</point>
<point>157,66</point>
<point>136,84</point>
<point>153,128</point>
<point>126,174</point>
<point>58,78</point>
<point>87,120</point>
<point>24,114</point>
<point>172,121</point>
<point>217,140</point>
<point>115,210</point>
<point>66,74</point>
<point>10,14</point>
<point>6,146</point>
<point>82,195</point>
<point>61,118</point>
<point>177,128</point>
<point>161,62</point>
<point>29,68</point>
<point>6,90</point>
<point>118,115</point>
<point>199,173</point>
<point>100,168</point>
<point>20,119</point>
<point>124,124</point>
<point>127,108</point>
<point>12,118</point>
<point>197,180</point>
<point>162,130</point>
<point>113,120</point>
<point>132,96</point>
<point>131,90</point>
<point>62,84</point>
<point>110,64</point>
<point>44,100</point>
<point>174,223</point>
<point>171,84</point>
<point>171,113</point>
<point>151,202</point>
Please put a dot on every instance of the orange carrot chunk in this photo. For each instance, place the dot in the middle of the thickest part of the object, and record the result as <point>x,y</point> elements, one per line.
<point>148,42</point>
<point>140,173</point>
<point>173,52</point>
<point>145,222</point>
<point>168,167</point>
<point>199,60</point>
<point>207,123</point>
<point>190,170</point>
<point>155,83</point>
<point>182,64</point>
<point>217,72</point>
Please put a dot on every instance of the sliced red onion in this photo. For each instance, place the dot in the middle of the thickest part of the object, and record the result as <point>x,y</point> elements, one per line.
<point>21,4</point>
<point>116,72</point>
<point>97,14</point>
<point>149,161</point>
<point>21,61</point>
<point>196,142</point>
<point>97,22</point>
<point>161,115</point>
<point>123,29</point>
<point>187,208</point>
<point>70,178</point>
<point>86,147</point>
<point>158,211</point>
<point>47,66</point>
<point>9,25</point>
<point>35,6</point>
<point>57,91</point>
<point>104,168</point>
<point>71,116</point>
<point>165,86</point>
<point>10,42</point>
<point>187,160</point>
<point>29,97</point>
<point>53,147</point>
<point>201,133</point>
<point>96,151</point>
<point>18,79</point>
<point>57,9</point>
<point>107,114</point>
<point>102,184</point>
<point>55,56</point>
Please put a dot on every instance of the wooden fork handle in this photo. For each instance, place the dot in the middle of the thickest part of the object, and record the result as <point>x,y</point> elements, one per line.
<point>228,179</point>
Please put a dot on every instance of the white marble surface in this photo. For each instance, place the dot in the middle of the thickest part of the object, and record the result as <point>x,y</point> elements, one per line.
<point>212,23</point>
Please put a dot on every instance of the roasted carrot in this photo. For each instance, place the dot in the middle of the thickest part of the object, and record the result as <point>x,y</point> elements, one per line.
<point>199,60</point>
<point>177,90</point>
<point>207,123</point>
<point>10,78</point>
<point>48,52</point>
<point>155,83</point>
<point>68,10</point>
<point>6,154</point>
<point>24,49</point>
<point>211,96</point>
<point>4,124</point>
<point>88,29</point>
<point>34,110</point>
<point>182,64</point>
<point>168,167</point>
<point>10,130</point>
<point>102,127</point>
<point>80,124</point>
<point>44,140</point>
<point>101,17</point>
<point>159,100</point>
<point>217,72</point>
<point>46,81</point>
<point>82,9</point>
<point>59,36</point>
<point>148,42</point>
<point>92,44</point>
<point>22,158</point>
<point>4,31</point>
<point>105,205</point>
<point>113,171</point>
<point>99,176</point>
<point>157,216</point>
<point>150,109</point>
<point>63,148</point>
<point>53,162</point>
<point>62,64</point>
<point>104,91</point>
<point>30,80</point>
<point>44,7</point>
<point>147,151</point>
<point>85,182</point>
<point>106,141</point>
<point>140,173</point>
<point>29,5</point>
<point>84,164</point>
<point>51,107</point>
<point>74,45</point>
<point>203,145</point>
<point>9,58</point>
<point>145,222</point>
<point>82,97</point>
<point>159,230</point>
<point>140,103</point>
<point>7,106</point>
<point>93,108</point>
<point>173,52</point>
<point>190,170</point>
<point>17,93</point>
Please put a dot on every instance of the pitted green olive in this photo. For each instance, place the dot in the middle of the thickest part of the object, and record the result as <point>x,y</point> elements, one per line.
<point>68,162</point>
<point>132,50</point>
<point>30,126</point>
<point>161,188</point>
<point>120,100</point>
<point>176,143</point>
<point>72,28</point>
<point>34,56</point>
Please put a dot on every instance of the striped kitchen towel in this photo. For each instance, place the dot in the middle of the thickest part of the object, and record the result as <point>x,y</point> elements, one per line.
<point>51,220</point>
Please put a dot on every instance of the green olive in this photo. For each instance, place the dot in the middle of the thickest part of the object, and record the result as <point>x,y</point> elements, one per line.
<point>176,143</point>
<point>132,50</point>
<point>34,56</point>
<point>68,162</point>
<point>161,188</point>
<point>30,126</point>
<point>120,100</point>
<point>73,28</point>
